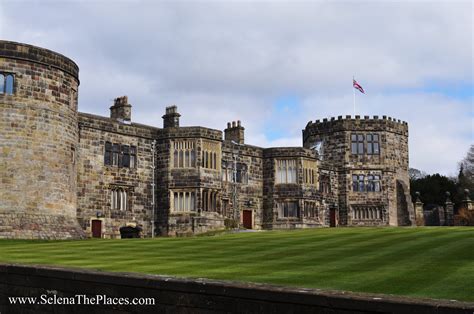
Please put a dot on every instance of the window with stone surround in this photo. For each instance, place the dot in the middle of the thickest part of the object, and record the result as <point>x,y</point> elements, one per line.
<point>211,155</point>
<point>6,83</point>
<point>118,199</point>
<point>358,184</point>
<point>324,184</point>
<point>366,213</point>
<point>366,183</point>
<point>357,144</point>
<point>238,174</point>
<point>241,176</point>
<point>123,156</point>
<point>210,201</point>
<point>373,146</point>
<point>309,172</point>
<point>209,160</point>
<point>310,210</point>
<point>133,157</point>
<point>373,183</point>
<point>288,209</point>
<point>285,171</point>
<point>183,201</point>
<point>183,154</point>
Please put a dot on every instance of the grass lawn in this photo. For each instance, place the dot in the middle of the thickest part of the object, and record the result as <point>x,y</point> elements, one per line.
<point>433,262</point>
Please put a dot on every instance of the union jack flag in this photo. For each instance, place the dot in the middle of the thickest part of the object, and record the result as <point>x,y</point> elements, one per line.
<point>357,86</point>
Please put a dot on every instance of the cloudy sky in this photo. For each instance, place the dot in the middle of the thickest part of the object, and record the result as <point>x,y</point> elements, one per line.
<point>275,65</point>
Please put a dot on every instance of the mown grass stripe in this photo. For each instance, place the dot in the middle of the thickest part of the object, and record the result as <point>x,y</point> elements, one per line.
<point>426,262</point>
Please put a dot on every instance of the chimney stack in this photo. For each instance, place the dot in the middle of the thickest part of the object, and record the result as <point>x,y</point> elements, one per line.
<point>171,118</point>
<point>121,110</point>
<point>234,132</point>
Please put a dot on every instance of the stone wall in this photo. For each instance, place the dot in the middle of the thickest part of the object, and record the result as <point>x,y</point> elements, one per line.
<point>53,169</point>
<point>300,192</point>
<point>391,164</point>
<point>97,180</point>
<point>38,150</point>
<point>240,196</point>
<point>196,179</point>
<point>173,295</point>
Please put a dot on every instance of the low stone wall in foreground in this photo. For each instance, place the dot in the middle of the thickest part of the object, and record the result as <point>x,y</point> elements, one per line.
<point>172,295</point>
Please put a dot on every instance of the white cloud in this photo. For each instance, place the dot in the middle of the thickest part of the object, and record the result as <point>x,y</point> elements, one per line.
<point>226,61</point>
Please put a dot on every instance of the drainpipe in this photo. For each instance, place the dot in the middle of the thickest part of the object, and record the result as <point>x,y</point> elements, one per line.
<point>153,148</point>
<point>235,155</point>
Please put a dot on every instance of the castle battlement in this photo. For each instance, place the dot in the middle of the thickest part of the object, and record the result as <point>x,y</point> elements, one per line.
<point>357,117</point>
<point>356,123</point>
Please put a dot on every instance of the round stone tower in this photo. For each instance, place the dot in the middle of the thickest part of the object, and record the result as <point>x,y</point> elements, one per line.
<point>38,143</point>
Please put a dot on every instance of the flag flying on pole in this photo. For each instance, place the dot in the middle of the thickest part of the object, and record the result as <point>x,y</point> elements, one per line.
<point>357,86</point>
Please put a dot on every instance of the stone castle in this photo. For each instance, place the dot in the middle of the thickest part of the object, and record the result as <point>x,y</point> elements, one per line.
<point>66,174</point>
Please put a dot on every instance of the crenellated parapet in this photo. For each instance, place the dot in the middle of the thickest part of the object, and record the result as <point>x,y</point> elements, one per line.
<point>356,123</point>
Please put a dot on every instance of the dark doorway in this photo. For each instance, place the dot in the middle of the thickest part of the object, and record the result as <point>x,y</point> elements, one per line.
<point>247,219</point>
<point>97,228</point>
<point>332,217</point>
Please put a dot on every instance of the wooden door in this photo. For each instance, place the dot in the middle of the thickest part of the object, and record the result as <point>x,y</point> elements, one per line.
<point>247,219</point>
<point>332,217</point>
<point>97,228</point>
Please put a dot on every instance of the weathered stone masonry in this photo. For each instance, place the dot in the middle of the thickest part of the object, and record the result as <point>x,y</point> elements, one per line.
<point>38,144</point>
<point>68,175</point>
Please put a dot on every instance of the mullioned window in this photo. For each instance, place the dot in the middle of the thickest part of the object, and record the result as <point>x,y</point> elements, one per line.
<point>184,201</point>
<point>122,156</point>
<point>286,171</point>
<point>184,154</point>
<point>6,83</point>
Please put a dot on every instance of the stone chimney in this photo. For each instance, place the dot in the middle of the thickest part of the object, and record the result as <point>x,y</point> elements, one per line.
<point>121,110</point>
<point>171,118</point>
<point>234,132</point>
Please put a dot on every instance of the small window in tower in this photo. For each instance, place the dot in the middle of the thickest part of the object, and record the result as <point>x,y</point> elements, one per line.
<point>373,183</point>
<point>357,144</point>
<point>358,183</point>
<point>373,147</point>
<point>9,84</point>
<point>6,83</point>
<point>2,83</point>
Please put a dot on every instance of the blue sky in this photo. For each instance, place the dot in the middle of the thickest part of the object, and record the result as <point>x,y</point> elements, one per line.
<point>274,65</point>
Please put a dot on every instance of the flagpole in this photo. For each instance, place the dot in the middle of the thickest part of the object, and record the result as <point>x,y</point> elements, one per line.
<point>354,92</point>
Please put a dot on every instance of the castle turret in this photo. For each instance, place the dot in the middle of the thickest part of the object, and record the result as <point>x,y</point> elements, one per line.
<point>39,136</point>
<point>234,132</point>
<point>121,110</point>
<point>171,118</point>
<point>372,157</point>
